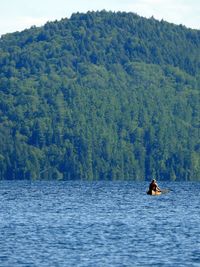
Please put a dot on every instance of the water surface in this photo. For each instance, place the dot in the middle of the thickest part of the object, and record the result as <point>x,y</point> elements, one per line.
<point>98,224</point>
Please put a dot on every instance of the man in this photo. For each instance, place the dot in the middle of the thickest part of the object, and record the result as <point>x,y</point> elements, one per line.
<point>153,187</point>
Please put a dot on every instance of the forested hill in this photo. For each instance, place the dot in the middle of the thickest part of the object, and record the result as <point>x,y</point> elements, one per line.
<point>99,96</point>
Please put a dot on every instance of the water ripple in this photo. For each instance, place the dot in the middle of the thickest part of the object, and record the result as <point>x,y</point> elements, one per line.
<point>98,224</point>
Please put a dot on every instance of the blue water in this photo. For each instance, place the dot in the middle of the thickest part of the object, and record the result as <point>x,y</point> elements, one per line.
<point>98,224</point>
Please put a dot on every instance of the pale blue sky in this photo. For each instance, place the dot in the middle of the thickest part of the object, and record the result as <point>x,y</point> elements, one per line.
<point>16,15</point>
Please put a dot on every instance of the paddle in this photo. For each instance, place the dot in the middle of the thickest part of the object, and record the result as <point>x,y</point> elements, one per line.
<point>164,191</point>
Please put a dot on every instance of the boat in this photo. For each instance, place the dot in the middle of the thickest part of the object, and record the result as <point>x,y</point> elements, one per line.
<point>157,193</point>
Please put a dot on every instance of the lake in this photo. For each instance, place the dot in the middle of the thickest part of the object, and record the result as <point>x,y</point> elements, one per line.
<point>98,224</point>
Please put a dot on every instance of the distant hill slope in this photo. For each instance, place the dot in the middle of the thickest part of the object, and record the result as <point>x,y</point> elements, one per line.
<point>101,95</point>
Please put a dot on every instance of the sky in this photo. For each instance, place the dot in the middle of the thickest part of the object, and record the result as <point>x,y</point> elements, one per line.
<point>17,15</point>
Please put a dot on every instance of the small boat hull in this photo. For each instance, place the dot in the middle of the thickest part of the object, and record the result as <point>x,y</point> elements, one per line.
<point>154,193</point>
<point>157,193</point>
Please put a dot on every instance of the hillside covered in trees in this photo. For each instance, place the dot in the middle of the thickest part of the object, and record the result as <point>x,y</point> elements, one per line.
<point>99,96</point>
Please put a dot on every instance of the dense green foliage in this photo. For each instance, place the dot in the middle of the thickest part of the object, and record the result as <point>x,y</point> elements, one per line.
<point>101,95</point>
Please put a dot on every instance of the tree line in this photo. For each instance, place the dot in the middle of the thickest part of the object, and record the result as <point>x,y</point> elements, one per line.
<point>101,95</point>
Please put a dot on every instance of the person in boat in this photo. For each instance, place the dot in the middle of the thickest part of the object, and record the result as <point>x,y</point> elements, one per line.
<point>153,187</point>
